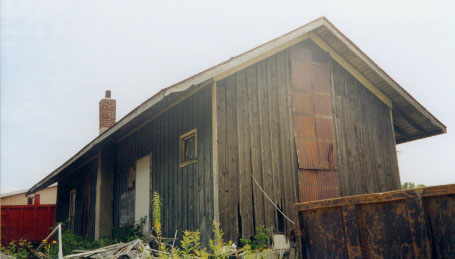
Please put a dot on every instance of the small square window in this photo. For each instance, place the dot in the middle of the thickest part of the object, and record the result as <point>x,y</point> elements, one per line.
<point>188,148</point>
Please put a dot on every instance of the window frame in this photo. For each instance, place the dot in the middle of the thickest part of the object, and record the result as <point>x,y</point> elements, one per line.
<point>182,138</point>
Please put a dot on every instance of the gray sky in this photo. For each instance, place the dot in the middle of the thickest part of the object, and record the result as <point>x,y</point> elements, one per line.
<point>58,57</point>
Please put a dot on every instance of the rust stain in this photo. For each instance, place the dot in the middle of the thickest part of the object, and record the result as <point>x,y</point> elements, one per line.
<point>313,123</point>
<point>397,224</point>
<point>317,184</point>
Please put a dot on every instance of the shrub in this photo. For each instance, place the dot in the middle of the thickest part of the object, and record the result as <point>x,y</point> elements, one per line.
<point>260,241</point>
<point>19,249</point>
<point>128,233</point>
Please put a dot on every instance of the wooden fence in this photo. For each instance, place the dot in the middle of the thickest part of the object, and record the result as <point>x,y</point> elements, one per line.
<point>418,223</point>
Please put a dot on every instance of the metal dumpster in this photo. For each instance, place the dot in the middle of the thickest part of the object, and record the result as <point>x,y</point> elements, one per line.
<point>417,223</point>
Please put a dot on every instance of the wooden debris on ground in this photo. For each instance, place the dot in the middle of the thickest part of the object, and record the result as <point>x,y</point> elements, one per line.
<point>134,249</point>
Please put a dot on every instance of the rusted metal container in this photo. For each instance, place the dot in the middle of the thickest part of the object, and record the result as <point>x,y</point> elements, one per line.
<point>29,222</point>
<point>417,223</point>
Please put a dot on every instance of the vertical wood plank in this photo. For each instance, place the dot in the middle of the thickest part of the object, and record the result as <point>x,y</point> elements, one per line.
<point>264,131</point>
<point>274,128</point>
<point>222,163</point>
<point>288,186</point>
<point>246,210</point>
<point>216,178</point>
<point>256,170</point>
<point>232,156</point>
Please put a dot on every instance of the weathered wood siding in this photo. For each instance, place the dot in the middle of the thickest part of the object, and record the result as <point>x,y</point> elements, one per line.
<point>255,139</point>
<point>366,151</point>
<point>84,181</point>
<point>186,193</point>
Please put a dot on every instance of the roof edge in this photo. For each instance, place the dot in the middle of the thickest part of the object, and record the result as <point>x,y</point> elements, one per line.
<point>181,86</point>
<point>229,65</point>
<point>365,58</point>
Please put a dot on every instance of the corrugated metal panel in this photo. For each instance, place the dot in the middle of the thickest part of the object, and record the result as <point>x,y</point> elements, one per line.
<point>313,123</point>
<point>317,184</point>
<point>29,222</point>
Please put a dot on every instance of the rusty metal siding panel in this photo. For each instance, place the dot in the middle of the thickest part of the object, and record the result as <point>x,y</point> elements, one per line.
<point>416,223</point>
<point>313,122</point>
<point>312,100</point>
<point>440,212</point>
<point>323,234</point>
<point>317,184</point>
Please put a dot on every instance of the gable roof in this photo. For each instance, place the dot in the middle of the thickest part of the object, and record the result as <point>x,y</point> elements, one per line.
<point>411,120</point>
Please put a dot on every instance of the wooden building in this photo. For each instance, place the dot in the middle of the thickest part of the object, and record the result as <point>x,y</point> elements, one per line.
<point>305,116</point>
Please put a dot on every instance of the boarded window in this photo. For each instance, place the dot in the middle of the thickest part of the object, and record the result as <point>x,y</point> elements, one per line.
<point>188,148</point>
<point>131,178</point>
<point>72,209</point>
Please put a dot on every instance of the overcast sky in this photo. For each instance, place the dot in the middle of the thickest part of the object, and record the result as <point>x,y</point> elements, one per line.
<point>58,57</point>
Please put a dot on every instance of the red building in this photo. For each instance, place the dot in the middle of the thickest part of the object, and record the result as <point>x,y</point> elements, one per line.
<point>28,217</point>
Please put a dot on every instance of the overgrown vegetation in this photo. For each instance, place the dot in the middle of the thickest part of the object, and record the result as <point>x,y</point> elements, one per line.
<point>129,233</point>
<point>409,185</point>
<point>190,245</point>
<point>19,249</point>
<point>260,241</point>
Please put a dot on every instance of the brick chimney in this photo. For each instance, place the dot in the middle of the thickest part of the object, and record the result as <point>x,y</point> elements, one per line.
<point>107,112</point>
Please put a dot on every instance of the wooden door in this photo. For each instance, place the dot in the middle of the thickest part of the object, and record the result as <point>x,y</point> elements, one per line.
<point>142,199</point>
